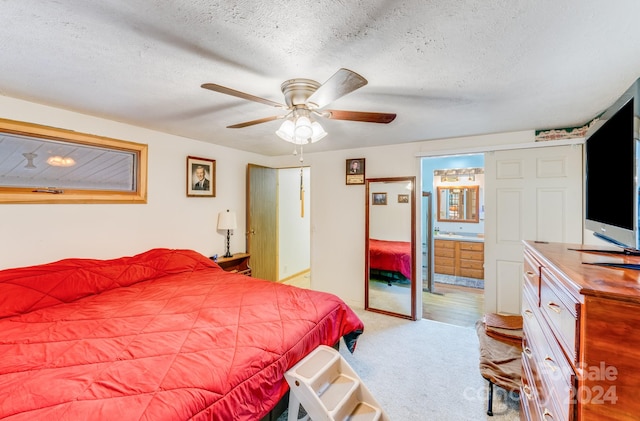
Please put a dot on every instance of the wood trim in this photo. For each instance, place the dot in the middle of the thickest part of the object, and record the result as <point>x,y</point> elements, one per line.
<point>26,195</point>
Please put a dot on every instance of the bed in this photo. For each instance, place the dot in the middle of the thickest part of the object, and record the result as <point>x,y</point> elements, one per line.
<point>390,258</point>
<point>163,335</point>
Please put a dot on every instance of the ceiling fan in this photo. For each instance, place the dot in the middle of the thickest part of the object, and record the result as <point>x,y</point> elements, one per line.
<point>305,98</point>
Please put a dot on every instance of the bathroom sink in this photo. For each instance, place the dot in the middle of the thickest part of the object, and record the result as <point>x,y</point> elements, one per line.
<point>453,236</point>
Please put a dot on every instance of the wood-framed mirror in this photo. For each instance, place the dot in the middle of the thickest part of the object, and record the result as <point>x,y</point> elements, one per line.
<point>458,204</point>
<point>390,246</point>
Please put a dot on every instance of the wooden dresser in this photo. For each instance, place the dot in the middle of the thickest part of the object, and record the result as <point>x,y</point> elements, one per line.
<point>581,347</point>
<point>459,258</point>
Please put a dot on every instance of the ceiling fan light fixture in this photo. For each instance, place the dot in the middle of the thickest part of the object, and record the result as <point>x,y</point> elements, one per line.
<point>318,132</point>
<point>59,161</point>
<point>306,97</point>
<point>303,130</point>
<point>285,132</point>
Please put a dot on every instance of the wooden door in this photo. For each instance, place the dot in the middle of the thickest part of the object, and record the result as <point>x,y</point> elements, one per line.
<point>262,221</point>
<point>530,194</point>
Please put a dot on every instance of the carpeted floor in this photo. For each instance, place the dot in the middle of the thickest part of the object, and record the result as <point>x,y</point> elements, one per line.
<point>424,370</point>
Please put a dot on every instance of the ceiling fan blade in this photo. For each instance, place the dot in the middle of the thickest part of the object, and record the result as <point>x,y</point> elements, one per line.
<point>254,122</point>
<point>341,83</point>
<point>366,117</point>
<point>233,92</point>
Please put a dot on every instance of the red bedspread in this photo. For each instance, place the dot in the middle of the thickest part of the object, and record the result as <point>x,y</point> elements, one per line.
<point>165,335</point>
<point>394,256</point>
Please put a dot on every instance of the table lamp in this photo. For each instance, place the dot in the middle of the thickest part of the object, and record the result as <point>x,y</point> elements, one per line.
<point>227,221</point>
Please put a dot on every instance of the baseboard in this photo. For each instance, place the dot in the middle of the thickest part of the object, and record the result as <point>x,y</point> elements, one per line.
<point>295,275</point>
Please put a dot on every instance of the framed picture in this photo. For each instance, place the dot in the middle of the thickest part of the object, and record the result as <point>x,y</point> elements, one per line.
<point>403,198</point>
<point>379,198</point>
<point>355,171</point>
<point>201,177</point>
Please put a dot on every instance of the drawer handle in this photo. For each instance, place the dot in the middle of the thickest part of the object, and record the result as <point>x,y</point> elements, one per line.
<point>547,415</point>
<point>527,352</point>
<point>527,391</point>
<point>548,361</point>
<point>528,313</point>
<point>530,274</point>
<point>555,307</point>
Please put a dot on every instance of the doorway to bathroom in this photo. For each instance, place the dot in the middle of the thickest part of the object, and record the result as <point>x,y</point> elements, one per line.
<point>453,238</point>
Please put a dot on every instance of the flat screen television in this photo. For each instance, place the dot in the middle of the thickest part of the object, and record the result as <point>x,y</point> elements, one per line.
<point>611,171</point>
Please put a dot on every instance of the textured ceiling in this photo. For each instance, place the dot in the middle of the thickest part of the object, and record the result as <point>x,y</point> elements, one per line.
<point>447,67</point>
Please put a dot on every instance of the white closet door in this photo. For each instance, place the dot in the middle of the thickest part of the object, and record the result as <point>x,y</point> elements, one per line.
<point>530,194</point>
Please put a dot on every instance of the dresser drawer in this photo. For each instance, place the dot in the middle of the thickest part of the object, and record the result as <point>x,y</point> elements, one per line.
<point>532,274</point>
<point>472,273</point>
<point>472,255</point>
<point>529,304</point>
<point>444,253</point>
<point>464,245</point>
<point>552,375</point>
<point>471,264</point>
<point>529,403</point>
<point>561,311</point>
<point>444,269</point>
<point>444,244</point>
<point>444,261</point>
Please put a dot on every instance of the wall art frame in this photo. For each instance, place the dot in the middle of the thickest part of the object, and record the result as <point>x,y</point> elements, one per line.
<point>379,198</point>
<point>355,171</point>
<point>201,177</point>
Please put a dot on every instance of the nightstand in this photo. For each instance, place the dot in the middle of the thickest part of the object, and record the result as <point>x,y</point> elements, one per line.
<point>238,263</point>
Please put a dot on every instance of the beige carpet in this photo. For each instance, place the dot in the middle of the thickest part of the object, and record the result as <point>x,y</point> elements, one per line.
<point>424,370</point>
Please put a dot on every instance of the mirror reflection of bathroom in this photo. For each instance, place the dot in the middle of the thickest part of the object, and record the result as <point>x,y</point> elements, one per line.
<point>453,238</point>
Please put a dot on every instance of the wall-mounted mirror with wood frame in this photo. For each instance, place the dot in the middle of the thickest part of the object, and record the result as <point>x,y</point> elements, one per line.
<point>390,247</point>
<point>458,204</point>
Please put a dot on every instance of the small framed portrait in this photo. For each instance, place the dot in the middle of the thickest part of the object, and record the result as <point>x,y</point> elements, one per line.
<point>355,171</point>
<point>379,198</point>
<point>403,198</point>
<point>201,177</point>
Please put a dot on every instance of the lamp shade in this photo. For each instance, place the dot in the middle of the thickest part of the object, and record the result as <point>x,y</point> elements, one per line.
<point>285,132</point>
<point>318,132</point>
<point>303,130</point>
<point>227,220</point>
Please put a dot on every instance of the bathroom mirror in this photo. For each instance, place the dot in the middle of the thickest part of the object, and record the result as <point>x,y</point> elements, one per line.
<point>458,203</point>
<point>390,252</point>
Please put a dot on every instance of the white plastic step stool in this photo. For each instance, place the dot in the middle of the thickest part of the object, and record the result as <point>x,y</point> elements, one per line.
<point>329,390</point>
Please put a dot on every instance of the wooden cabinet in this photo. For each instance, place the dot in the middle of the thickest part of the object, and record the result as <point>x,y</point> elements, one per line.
<point>459,258</point>
<point>471,259</point>
<point>581,345</point>
<point>239,263</point>
<point>445,256</point>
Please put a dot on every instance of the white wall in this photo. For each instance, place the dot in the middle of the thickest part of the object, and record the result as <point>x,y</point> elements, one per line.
<point>39,233</point>
<point>32,234</point>
<point>294,227</point>
<point>391,222</point>
<point>338,210</point>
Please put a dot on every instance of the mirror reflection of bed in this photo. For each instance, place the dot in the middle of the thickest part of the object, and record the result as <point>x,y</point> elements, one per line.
<point>390,246</point>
